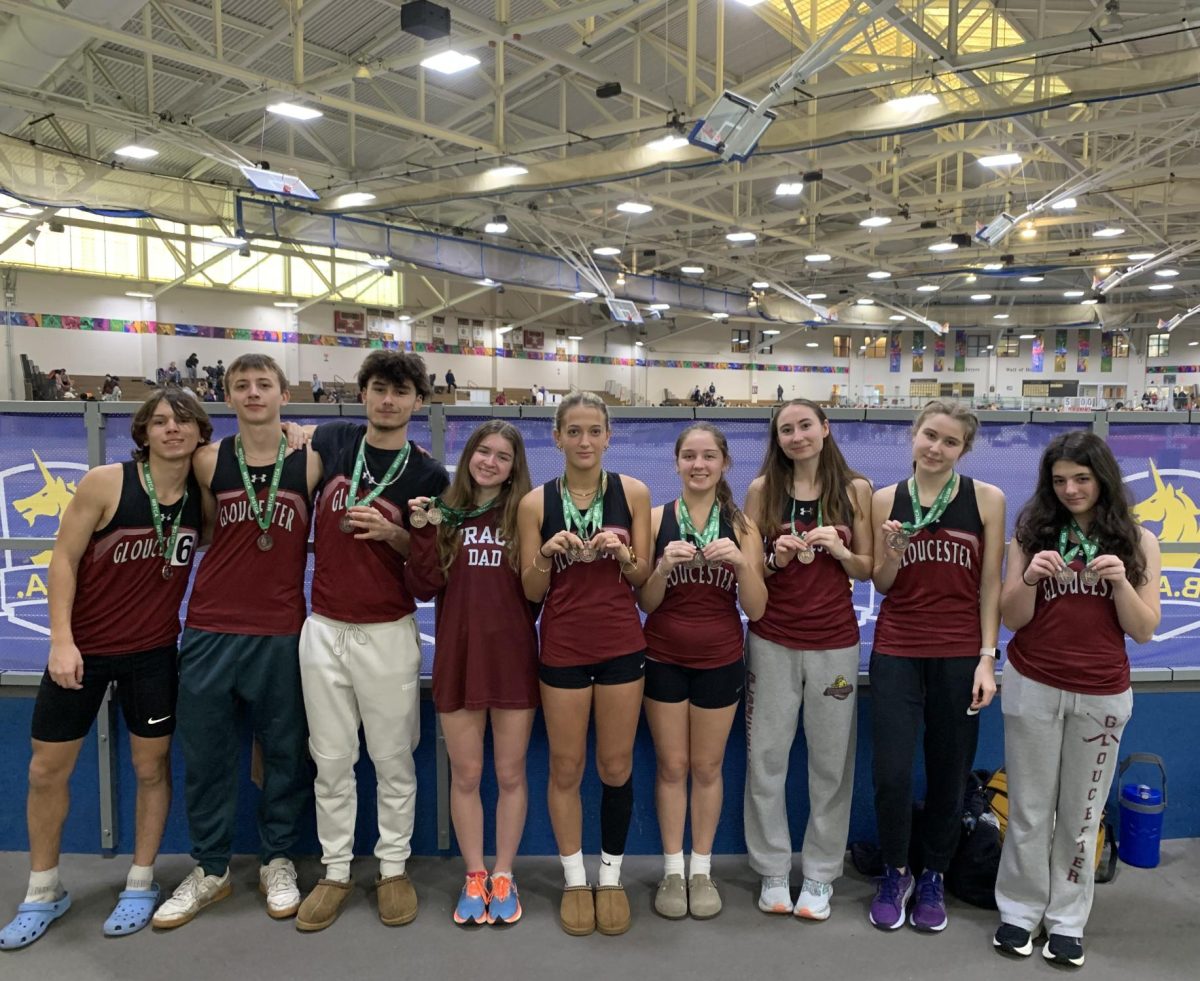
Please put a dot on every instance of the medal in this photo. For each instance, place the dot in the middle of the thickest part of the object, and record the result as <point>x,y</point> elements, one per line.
<point>584,524</point>
<point>806,555</point>
<point>418,519</point>
<point>701,539</point>
<point>1090,577</point>
<point>435,516</point>
<point>1065,576</point>
<point>166,546</point>
<point>262,516</point>
<point>899,540</point>
<point>394,471</point>
<point>697,561</point>
<point>1089,548</point>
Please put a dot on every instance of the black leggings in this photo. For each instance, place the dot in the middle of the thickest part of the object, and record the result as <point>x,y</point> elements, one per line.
<point>907,692</point>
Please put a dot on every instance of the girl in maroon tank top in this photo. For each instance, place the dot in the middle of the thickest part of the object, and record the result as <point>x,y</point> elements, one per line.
<point>814,512</point>
<point>486,652</point>
<point>938,552</point>
<point>1081,575</point>
<point>708,559</point>
<point>589,564</point>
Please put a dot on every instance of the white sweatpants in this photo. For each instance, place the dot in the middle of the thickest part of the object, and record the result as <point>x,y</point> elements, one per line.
<point>1060,751</point>
<point>366,673</point>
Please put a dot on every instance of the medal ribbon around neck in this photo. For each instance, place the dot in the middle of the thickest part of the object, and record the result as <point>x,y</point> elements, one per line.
<point>936,509</point>
<point>1090,548</point>
<point>587,523</point>
<point>262,516</point>
<point>820,517</point>
<point>394,471</point>
<point>167,546</point>
<point>453,516</point>
<point>712,527</point>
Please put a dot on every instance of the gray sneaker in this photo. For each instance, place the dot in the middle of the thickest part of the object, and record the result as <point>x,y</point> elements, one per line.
<point>704,901</point>
<point>671,900</point>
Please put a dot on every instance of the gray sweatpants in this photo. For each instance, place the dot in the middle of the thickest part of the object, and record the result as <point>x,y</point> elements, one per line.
<point>779,681</point>
<point>1060,750</point>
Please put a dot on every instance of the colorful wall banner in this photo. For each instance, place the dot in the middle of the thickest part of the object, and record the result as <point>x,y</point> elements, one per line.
<point>918,350</point>
<point>894,351</point>
<point>939,353</point>
<point>960,350</point>
<point>1106,349</point>
<point>1038,352</point>
<point>1083,344</point>
<point>1060,350</point>
<point>64,322</point>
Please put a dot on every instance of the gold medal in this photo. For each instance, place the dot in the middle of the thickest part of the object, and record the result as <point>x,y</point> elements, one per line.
<point>419,518</point>
<point>806,555</point>
<point>434,516</point>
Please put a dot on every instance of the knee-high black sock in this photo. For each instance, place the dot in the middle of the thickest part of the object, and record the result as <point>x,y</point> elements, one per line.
<point>616,810</point>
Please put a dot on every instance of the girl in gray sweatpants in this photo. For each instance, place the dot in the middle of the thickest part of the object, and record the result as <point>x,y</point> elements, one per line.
<point>1081,576</point>
<point>804,654</point>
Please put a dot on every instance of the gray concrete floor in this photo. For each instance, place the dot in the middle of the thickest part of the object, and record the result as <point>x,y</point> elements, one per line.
<point>1145,924</point>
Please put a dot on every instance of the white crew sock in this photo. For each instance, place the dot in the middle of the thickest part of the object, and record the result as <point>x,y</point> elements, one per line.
<point>573,870</point>
<point>44,887</point>
<point>389,869</point>
<point>340,872</point>
<point>141,877</point>
<point>701,864</point>
<point>610,869</point>
<point>673,864</point>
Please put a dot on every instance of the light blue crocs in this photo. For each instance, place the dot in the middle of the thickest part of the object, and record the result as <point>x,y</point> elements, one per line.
<point>132,912</point>
<point>31,922</point>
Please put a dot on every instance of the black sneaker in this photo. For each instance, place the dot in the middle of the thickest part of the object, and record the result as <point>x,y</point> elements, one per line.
<point>1067,951</point>
<point>1011,939</point>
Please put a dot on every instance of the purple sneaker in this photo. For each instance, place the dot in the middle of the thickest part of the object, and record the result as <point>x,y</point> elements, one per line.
<point>891,896</point>
<point>929,911</point>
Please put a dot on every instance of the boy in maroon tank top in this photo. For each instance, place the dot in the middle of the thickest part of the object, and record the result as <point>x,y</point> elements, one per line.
<point>1081,575</point>
<point>240,646</point>
<point>117,576</point>
<point>938,554</point>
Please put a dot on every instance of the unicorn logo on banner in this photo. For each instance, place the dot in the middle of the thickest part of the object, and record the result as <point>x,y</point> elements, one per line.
<point>46,489</point>
<point>1172,508</point>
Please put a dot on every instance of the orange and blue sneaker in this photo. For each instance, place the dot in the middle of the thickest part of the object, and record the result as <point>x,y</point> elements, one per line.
<point>473,902</point>
<point>505,905</point>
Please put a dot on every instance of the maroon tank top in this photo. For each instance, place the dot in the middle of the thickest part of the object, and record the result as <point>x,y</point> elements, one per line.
<point>239,588</point>
<point>590,613</point>
<point>1074,640</point>
<point>932,609</point>
<point>697,625</point>
<point>122,603</point>
<point>809,607</point>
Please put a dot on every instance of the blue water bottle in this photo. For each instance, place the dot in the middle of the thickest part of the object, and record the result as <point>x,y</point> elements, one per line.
<point>1142,809</point>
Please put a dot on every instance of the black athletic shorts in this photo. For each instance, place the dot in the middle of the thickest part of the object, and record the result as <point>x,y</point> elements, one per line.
<point>617,671</point>
<point>706,688</point>
<point>147,684</point>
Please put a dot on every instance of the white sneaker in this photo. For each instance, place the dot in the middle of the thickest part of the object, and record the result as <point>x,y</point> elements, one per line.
<point>277,881</point>
<point>190,897</point>
<point>775,895</point>
<point>813,901</point>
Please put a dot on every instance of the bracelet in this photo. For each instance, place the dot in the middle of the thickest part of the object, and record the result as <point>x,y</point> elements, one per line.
<point>537,568</point>
<point>1027,582</point>
<point>541,553</point>
<point>771,563</point>
<point>991,652</point>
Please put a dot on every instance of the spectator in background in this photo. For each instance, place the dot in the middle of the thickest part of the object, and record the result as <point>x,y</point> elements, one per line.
<point>192,363</point>
<point>696,397</point>
<point>533,395</point>
<point>779,394</point>
<point>501,398</point>
<point>712,388</point>
<point>317,388</point>
<point>541,396</point>
<point>451,383</point>
<point>172,375</point>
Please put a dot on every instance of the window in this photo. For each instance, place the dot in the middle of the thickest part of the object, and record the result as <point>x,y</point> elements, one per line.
<point>977,345</point>
<point>739,341</point>
<point>877,347</point>
<point>1120,344</point>
<point>1008,346</point>
<point>1159,346</point>
<point>841,345</point>
<point>766,343</point>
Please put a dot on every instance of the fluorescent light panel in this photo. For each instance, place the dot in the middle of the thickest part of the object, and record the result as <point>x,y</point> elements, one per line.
<point>790,189</point>
<point>136,152</point>
<point>875,221</point>
<point>741,237</point>
<point>913,101</point>
<point>449,62</point>
<point>606,250</point>
<point>292,110</point>
<point>635,207</point>
<point>1001,160</point>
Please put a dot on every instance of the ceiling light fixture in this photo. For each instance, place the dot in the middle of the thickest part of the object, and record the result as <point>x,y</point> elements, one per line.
<point>999,316</point>
<point>928,288</point>
<point>139,295</point>
<point>508,170</point>
<point>1109,231</point>
<point>639,343</point>
<point>635,207</point>
<point>692,270</point>
<point>720,316</point>
<point>286,304</point>
<point>355,198</point>
<point>672,141</point>
<point>1000,160</point>
<point>980,297</point>
<point>918,101</point>
<point>497,226</point>
<point>292,110</point>
<point>1029,232</point>
<point>486,281</point>
<point>1160,287</point>
<point>944,246</point>
<point>875,221</point>
<point>1091,301</point>
<point>865,301</point>
<point>1139,256</point>
<point>1064,204</point>
<point>789,189</point>
<point>606,250</point>
<point>760,284</point>
<point>585,295</point>
<point>816,296</point>
<point>818,257</point>
<point>771,333</point>
<point>993,266</point>
<point>449,62</point>
<point>1072,294</point>
<point>879,274</point>
<point>1028,337</point>
<point>741,237</point>
<point>1166,273</point>
<point>897,317</point>
<point>1032,279</point>
<point>659,307</point>
<point>136,152</point>
<point>228,241</point>
<point>379,262</point>
<point>574,337</point>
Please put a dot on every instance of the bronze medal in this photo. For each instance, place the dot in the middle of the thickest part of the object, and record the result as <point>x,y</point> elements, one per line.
<point>265,542</point>
<point>806,555</point>
<point>419,518</point>
<point>435,516</point>
<point>587,554</point>
<point>1090,577</point>
<point>345,524</point>
<point>697,561</point>
<point>1065,576</point>
<point>167,571</point>
<point>897,540</point>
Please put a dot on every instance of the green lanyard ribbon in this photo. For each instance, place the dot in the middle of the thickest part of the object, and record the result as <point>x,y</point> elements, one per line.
<point>454,517</point>
<point>1090,548</point>
<point>262,516</point>
<point>712,527</point>
<point>167,546</point>
<point>820,516</point>
<point>585,524</point>
<point>394,471</point>
<point>936,509</point>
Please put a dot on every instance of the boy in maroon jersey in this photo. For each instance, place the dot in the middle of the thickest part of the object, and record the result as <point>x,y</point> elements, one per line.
<point>360,650</point>
<point>240,646</point>
<point>118,574</point>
